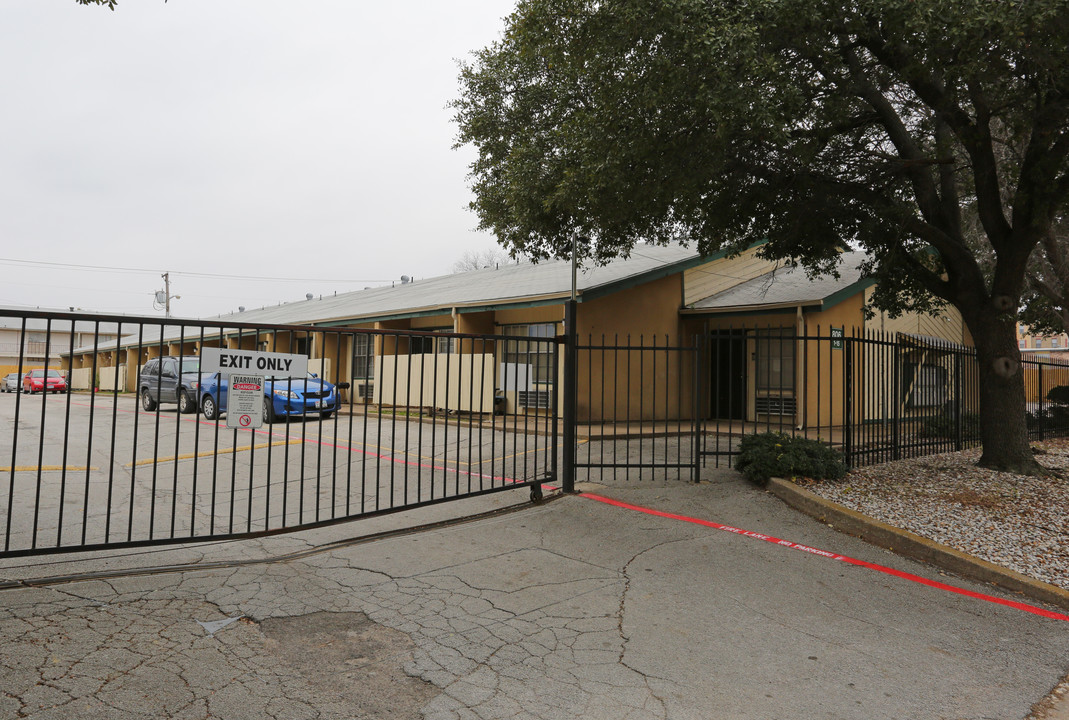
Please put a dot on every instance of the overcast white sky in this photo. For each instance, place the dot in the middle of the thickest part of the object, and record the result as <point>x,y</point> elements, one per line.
<point>267,138</point>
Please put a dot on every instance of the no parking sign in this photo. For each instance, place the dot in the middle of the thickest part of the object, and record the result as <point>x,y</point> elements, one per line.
<point>245,401</point>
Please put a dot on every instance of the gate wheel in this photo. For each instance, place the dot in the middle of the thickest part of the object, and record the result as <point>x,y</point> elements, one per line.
<point>536,494</point>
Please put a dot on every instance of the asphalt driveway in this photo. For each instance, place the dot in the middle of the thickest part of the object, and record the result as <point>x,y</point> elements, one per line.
<point>573,609</point>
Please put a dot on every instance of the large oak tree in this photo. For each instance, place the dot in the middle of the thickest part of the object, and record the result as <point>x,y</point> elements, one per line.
<point>810,124</point>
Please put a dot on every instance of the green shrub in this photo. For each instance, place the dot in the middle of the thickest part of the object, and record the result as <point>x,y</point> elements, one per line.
<point>1059,395</point>
<point>943,426</point>
<point>774,454</point>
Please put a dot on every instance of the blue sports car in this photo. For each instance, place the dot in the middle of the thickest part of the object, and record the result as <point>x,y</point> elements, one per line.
<point>283,397</point>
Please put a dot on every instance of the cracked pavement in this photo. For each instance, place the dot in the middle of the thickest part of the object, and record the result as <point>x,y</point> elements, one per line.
<point>571,609</point>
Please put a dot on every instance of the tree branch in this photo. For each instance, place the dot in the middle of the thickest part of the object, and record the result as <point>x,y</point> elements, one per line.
<point>975,136</point>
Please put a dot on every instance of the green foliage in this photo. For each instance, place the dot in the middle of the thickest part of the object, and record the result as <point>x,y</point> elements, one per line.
<point>805,123</point>
<point>932,134</point>
<point>1056,414</point>
<point>774,454</point>
<point>944,426</point>
<point>1059,395</point>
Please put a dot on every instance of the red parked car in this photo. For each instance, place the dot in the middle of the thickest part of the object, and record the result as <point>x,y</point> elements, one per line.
<point>38,381</point>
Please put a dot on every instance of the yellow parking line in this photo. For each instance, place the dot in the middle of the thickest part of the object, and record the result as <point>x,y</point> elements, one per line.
<point>48,468</point>
<point>210,453</point>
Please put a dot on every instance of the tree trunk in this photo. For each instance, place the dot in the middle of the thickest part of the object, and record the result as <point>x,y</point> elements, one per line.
<point>1003,428</point>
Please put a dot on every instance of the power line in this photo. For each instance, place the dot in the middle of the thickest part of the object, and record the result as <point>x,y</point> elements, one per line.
<point>109,268</point>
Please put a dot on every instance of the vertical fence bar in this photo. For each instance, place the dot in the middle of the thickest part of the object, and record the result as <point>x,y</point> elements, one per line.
<point>434,432</point>
<point>15,442</point>
<point>177,425</point>
<point>700,344</point>
<point>92,412</point>
<point>196,440</point>
<point>41,440</point>
<point>114,420</point>
<point>66,444</point>
<point>848,394</point>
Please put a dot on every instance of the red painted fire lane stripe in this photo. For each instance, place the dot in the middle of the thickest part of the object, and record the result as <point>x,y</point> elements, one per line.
<point>832,556</point>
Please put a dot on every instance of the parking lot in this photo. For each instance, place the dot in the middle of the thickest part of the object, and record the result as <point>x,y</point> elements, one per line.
<point>95,468</point>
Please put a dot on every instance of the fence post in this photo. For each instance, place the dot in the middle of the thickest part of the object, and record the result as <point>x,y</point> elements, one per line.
<point>896,402</point>
<point>848,400</point>
<point>571,358</point>
<point>700,344</point>
<point>958,407</point>
<point>1041,411</point>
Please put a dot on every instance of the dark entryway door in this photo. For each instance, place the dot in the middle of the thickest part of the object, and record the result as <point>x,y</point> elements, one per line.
<point>728,366</point>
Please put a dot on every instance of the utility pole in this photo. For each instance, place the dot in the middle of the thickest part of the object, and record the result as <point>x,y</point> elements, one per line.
<point>163,297</point>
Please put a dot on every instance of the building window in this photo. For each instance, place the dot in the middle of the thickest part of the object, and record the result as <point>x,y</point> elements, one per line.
<point>924,385</point>
<point>420,345</point>
<point>774,360</point>
<point>426,345</point>
<point>538,355</point>
<point>1021,343</point>
<point>363,357</point>
<point>446,345</point>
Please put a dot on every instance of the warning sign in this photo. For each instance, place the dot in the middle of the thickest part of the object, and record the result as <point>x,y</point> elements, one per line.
<point>245,401</point>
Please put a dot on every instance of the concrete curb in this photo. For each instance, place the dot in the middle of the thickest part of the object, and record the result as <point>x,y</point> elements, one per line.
<point>914,546</point>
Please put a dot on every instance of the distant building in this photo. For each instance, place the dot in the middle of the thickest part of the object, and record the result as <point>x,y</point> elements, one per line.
<point>1051,347</point>
<point>39,340</point>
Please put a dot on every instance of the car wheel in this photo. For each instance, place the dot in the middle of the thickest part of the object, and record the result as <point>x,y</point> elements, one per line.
<point>185,403</point>
<point>269,410</point>
<point>211,410</point>
<point>147,403</point>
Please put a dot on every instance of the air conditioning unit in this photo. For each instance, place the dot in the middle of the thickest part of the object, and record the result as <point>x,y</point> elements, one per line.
<point>533,398</point>
<point>775,405</point>
<point>365,391</point>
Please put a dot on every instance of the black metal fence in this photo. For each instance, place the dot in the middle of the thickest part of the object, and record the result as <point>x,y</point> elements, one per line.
<point>635,408</point>
<point>648,408</point>
<point>121,440</point>
<point>113,457</point>
<point>875,396</point>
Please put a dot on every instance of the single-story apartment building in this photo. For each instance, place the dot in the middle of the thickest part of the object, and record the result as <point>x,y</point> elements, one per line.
<point>756,315</point>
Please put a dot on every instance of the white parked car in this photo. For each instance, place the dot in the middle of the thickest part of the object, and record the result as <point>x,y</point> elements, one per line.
<point>11,383</point>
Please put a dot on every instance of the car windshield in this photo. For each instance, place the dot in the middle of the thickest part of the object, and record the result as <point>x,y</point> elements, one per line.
<point>54,373</point>
<point>190,365</point>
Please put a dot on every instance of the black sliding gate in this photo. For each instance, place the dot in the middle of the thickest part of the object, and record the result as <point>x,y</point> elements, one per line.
<point>412,419</point>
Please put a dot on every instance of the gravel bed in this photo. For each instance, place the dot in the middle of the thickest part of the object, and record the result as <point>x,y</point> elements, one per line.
<point>1016,521</point>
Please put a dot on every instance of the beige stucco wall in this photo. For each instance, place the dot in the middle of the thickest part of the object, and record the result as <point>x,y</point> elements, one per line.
<point>635,385</point>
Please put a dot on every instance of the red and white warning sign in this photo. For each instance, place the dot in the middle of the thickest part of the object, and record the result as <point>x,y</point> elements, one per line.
<point>245,401</point>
